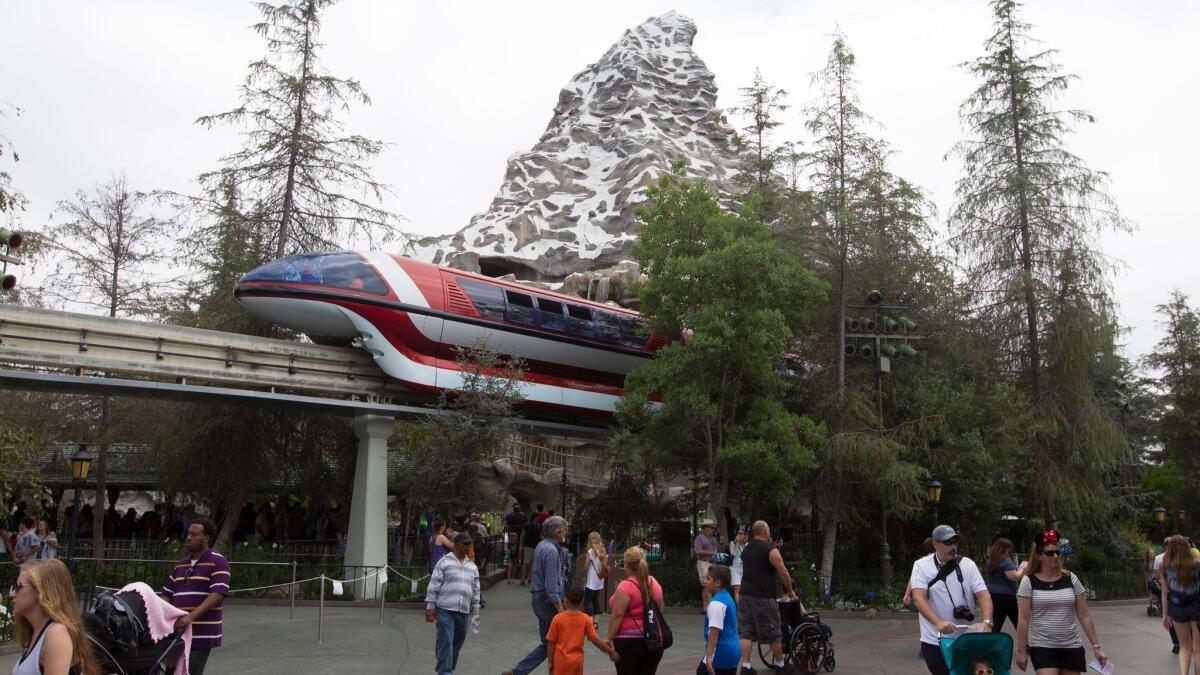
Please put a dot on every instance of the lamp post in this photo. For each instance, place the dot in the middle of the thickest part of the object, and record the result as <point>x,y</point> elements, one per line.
<point>1181,514</point>
<point>934,490</point>
<point>1160,514</point>
<point>81,464</point>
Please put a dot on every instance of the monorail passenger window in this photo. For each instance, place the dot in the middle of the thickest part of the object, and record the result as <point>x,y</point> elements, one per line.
<point>608,327</point>
<point>488,299</point>
<point>633,333</point>
<point>580,321</point>
<point>520,308</point>
<point>345,270</point>
<point>552,314</point>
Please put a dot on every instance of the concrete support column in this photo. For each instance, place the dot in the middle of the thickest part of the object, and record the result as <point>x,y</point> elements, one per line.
<point>366,541</point>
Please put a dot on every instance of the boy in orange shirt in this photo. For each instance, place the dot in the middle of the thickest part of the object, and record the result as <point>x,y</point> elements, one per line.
<point>564,640</point>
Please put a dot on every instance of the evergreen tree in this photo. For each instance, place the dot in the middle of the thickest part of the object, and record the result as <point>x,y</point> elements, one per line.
<point>761,104</point>
<point>1026,206</point>
<point>714,400</point>
<point>841,157</point>
<point>1177,360</point>
<point>1025,219</point>
<point>308,179</point>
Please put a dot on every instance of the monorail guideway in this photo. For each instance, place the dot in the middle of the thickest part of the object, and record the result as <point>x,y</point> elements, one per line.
<point>84,354</point>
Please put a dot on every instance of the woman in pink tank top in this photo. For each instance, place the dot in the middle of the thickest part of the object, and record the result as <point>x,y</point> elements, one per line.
<point>628,617</point>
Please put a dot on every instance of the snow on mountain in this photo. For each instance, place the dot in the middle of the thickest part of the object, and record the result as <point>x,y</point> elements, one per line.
<point>567,204</point>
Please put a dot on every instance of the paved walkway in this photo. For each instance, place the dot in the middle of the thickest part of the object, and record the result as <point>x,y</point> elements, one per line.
<point>260,640</point>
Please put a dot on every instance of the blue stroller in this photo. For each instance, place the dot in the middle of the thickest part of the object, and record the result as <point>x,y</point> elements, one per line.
<point>995,647</point>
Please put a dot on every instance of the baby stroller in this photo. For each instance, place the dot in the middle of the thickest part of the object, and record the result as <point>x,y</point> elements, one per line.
<point>117,628</point>
<point>1155,606</point>
<point>806,641</point>
<point>961,651</point>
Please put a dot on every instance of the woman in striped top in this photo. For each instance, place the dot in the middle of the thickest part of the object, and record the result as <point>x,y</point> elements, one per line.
<point>1051,606</point>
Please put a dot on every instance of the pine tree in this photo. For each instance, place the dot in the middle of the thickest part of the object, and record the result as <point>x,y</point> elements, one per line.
<point>761,105</point>
<point>1177,360</point>
<point>1026,206</point>
<point>841,157</point>
<point>1025,220</point>
<point>309,179</point>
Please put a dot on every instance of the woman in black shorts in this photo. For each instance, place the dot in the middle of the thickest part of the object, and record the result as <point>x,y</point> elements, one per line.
<point>1181,598</point>
<point>1051,606</point>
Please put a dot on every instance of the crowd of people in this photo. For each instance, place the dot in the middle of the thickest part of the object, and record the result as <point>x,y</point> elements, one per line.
<point>741,584</point>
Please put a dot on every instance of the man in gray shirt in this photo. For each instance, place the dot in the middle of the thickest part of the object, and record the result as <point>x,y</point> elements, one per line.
<point>453,596</point>
<point>551,571</point>
<point>28,543</point>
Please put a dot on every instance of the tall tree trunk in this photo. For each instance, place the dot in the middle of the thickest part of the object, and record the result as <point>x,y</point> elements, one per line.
<point>828,547</point>
<point>1031,308</point>
<point>101,480</point>
<point>289,192</point>
<point>233,513</point>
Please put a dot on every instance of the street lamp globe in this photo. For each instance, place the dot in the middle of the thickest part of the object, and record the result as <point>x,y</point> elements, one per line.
<point>1181,514</point>
<point>934,488</point>
<point>81,463</point>
<point>1160,514</point>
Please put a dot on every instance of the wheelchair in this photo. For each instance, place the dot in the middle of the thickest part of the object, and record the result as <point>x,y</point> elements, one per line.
<point>807,643</point>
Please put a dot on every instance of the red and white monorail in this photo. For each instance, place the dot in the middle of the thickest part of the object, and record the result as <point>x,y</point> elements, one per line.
<point>412,316</point>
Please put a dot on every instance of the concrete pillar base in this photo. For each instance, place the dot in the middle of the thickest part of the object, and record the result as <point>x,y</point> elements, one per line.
<point>366,540</point>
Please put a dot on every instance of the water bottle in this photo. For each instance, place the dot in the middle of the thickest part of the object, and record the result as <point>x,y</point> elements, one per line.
<point>475,624</point>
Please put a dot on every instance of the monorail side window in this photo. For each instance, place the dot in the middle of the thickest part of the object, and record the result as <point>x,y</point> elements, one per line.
<point>488,299</point>
<point>552,314</point>
<point>520,308</point>
<point>632,333</point>
<point>580,321</point>
<point>608,327</point>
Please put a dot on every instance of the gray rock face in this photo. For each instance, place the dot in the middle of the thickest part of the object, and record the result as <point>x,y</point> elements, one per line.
<point>567,205</point>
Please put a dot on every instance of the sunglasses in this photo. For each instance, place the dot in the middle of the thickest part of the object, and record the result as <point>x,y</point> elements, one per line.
<point>1050,553</point>
<point>12,590</point>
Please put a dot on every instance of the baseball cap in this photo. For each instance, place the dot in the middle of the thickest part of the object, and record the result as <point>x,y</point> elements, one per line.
<point>944,533</point>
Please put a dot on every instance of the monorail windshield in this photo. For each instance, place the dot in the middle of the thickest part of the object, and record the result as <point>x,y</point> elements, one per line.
<point>343,270</point>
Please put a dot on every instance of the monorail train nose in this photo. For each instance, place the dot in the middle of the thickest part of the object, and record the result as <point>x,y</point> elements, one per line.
<point>301,292</point>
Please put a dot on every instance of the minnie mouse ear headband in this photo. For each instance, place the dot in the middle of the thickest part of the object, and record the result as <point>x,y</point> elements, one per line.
<point>1047,537</point>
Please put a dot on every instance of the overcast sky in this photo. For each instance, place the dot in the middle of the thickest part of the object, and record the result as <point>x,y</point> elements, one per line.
<point>457,87</point>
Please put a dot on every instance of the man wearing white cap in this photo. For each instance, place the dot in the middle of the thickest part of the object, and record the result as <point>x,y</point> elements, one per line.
<point>948,592</point>
<point>705,547</point>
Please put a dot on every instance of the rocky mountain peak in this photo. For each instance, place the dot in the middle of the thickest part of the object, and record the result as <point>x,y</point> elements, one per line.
<point>567,204</point>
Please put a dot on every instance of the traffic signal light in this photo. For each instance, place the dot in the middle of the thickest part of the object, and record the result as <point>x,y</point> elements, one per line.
<point>10,241</point>
<point>853,325</point>
<point>887,350</point>
<point>906,325</point>
<point>849,348</point>
<point>867,350</point>
<point>906,349</point>
<point>868,324</point>
<point>890,325</point>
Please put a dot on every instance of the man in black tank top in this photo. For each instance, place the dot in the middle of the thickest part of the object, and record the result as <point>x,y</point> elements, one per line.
<point>758,612</point>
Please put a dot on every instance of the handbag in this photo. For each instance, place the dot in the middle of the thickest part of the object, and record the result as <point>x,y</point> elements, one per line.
<point>656,634</point>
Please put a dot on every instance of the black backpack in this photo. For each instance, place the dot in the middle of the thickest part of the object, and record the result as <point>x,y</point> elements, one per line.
<point>656,634</point>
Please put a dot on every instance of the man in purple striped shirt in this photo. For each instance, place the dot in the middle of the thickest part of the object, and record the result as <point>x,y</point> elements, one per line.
<point>198,585</point>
